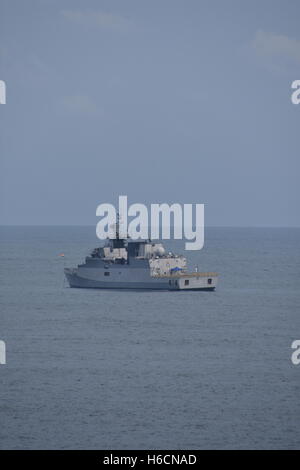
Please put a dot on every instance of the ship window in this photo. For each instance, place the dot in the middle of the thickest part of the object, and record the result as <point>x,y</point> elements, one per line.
<point>186,282</point>
<point>106,273</point>
<point>209,280</point>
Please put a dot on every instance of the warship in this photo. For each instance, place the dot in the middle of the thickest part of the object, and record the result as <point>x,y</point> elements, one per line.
<point>123,263</point>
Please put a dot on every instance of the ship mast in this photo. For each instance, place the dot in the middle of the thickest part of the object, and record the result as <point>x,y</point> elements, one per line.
<point>118,226</point>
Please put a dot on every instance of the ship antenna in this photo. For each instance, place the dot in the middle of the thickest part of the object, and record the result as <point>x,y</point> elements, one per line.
<point>118,226</point>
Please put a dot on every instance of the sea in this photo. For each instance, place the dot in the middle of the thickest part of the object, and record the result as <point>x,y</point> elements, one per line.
<point>109,369</point>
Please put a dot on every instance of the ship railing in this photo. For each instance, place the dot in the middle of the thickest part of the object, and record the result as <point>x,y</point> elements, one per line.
<point>184,274</point>
<point>176,275</point>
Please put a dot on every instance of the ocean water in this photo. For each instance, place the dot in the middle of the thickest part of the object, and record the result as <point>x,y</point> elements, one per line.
<point>137,370</point>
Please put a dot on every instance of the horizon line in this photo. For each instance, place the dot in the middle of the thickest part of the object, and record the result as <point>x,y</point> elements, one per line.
<point>207,226</point>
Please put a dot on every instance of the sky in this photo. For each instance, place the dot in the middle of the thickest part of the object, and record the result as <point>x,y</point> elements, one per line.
<point>163,101</point>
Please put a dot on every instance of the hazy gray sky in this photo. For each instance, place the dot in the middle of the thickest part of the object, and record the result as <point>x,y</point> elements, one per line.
<point>163,101</point>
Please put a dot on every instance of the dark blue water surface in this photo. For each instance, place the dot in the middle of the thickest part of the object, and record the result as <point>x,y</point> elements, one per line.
<point>113,369</point>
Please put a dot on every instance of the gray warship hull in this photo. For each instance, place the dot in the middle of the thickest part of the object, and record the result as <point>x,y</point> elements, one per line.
<point>138,278</point>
